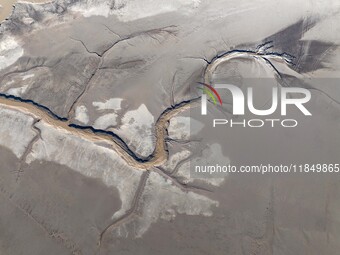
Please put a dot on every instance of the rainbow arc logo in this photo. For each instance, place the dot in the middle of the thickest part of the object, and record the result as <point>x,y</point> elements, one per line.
<point>240,100</point>
<point>212,93</point>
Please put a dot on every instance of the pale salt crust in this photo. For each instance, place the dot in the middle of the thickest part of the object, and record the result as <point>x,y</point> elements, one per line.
<point>136,129</point>
<point>27,76</point>
<point>135,9</point>
<point>87,158</point>
<point>211,155</point>
<point>163,200</point>
<point>17,91</point>
<point>10,51</point>
<point>81,114</point>
<point>183,127</point>
<point>15,130</point>
<point>111,104</point>
<point>106,121</point>
<point>160,198</point>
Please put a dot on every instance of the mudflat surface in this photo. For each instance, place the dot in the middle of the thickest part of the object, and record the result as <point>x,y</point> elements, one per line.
<point>100,124</point>
<point>6,7</point>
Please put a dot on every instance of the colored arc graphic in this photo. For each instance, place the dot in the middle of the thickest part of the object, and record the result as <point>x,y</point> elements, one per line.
<point>210,94</point>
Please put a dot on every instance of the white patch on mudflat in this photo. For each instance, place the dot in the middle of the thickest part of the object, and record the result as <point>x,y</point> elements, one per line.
<point>212,155</point>
<point>111,104</point>
<point>105,121</point>
<point>92,8</point>
<point>15,130</point>
<point>17,91</point>
<point>89,159</point>
<point>27,76</point>
<point>182,127</point>
<point>10,51</point>
<point>133,9</point>
<point>137,130</point>
<point>175,159</point>
<point>137,9</point>
<point>81,114</point>
<point>163,200</point>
